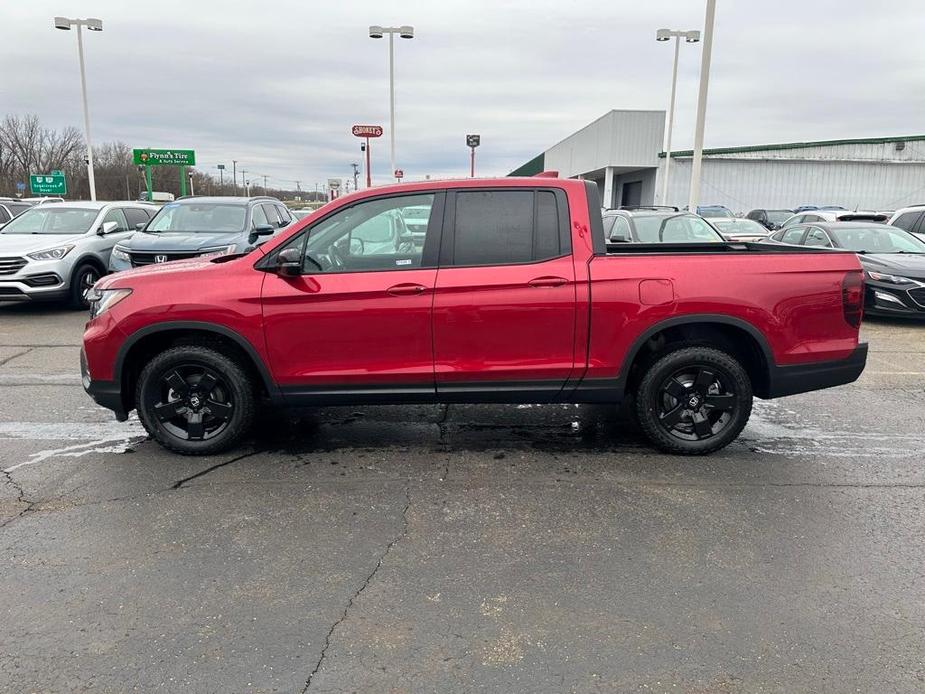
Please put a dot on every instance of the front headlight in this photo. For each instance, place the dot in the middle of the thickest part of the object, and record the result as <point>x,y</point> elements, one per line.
<point>889,279</point>
<point>104,299</point>
<point>120,253</point>
<point>52,253</point>
<point>221,250</point>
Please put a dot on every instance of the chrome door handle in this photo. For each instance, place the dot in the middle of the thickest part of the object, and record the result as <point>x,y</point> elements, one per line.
<point>406,289</point>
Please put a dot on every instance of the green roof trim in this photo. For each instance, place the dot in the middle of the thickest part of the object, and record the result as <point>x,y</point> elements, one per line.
<point>798,145</point>
<point>532,167</point>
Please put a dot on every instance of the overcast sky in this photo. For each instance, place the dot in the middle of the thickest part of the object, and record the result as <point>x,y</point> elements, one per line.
<point>276,84</point>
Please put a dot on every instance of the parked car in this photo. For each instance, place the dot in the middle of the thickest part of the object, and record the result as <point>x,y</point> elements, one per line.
<point>770,219</point>
<point>203,226</point>
<point>301,214</point>
<point>656,225</point>
<point>740,229</point>
<point>515,296</point>
<point>893,260</point>
<point>55,252</point>
<point>910,219</point>
<point>833,216</point>
<point>710,211</point>
<point>11,207</point>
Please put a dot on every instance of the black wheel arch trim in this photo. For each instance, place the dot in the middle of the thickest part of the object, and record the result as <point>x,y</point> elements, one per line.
<point>203,326</point>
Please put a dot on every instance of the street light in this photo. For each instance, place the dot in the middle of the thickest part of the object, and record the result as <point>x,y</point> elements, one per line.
<point>405,32</point>
<point>697,160</point>
<point>667,35</point>
<point>92,24</point>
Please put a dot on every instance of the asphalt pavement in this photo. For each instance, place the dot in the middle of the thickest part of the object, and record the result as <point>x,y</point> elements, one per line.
<point>461,548</point>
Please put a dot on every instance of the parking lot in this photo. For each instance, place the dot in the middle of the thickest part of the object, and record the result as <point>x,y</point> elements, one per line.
<point>461,548</point>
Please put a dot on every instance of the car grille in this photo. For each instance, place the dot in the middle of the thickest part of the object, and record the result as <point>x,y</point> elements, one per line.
<point>918,296</point>
<point>140,259</point>
<point>10,266</point>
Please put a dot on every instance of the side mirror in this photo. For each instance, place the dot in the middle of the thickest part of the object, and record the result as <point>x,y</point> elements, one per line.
<point>289,262</point>
<point>140,226</point>
<point>263,230</point>
<point>357,247</point>
<point>107,228</point>
<point>618,238</point>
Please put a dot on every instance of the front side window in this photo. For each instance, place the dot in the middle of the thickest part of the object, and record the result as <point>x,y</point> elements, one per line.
<point>115,215</point>
<point>259,218</point>
<point>688,229</point>
<point>52,220</point>
<point>817,237</point>
<point>793,235</point>
<point>199,217</point>
<point>621,230</point>
<point>4,215</point>
<point>367,236</point>
<point>135,216</point>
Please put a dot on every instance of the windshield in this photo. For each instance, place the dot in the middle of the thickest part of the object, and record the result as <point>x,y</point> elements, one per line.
<point>52,220</point>
<point>739,226</point>
<point>778,217</point>
<point>881,239</point>
<point>199,217</point>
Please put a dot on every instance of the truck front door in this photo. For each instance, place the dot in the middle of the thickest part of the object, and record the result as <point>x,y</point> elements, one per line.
<point>357,322</point>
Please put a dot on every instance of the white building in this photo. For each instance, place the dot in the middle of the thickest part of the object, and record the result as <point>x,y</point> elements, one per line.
<point>622,151</point>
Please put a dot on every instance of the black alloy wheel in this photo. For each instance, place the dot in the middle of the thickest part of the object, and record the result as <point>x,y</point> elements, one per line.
<point>195,400</point>
<point>694,400</point>
<point>195,403</point>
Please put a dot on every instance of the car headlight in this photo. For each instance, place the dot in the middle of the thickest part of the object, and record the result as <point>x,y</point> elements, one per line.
<point>52,253</point>
<point>120,253</point>
<point>889,279</point>
<point>104,299</point>
<point>221,250</point>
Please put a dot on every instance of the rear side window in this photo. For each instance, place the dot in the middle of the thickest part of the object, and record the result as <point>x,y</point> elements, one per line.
<point>4,215</point>
<point>907,221</point>
<point>284,216</point>
<point>505,227</point>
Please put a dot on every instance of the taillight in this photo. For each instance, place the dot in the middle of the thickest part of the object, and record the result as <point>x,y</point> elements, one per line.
<point>852,297</point>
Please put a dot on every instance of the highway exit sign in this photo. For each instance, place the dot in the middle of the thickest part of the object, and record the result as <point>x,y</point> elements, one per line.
<point>48,184</point>
<point>164,157</point>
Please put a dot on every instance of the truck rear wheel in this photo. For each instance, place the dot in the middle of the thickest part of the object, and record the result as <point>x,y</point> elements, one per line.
<point>694,401</point>
<point>195,400</point>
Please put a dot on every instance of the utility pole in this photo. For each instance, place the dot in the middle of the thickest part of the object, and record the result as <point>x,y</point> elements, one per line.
<point>234,173</point>
<point>697,161</point>
<point>356,173</point>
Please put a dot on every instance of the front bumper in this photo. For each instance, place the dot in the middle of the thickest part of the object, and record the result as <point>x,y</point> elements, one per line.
<point>107,394</point>
<point>35,280</point>
<point>802,378</point>
<point>885,299</point>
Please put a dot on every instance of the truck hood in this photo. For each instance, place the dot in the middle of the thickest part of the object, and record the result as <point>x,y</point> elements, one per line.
<point>191,266</point>
<point>912,265</point>
<point>29,243</point>
<point>179,242</point>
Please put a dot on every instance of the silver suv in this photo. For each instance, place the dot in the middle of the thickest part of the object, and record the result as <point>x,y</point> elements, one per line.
<point>54,252</point>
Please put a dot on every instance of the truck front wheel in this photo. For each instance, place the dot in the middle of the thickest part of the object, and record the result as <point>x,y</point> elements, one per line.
<point>195,400</point>
<point>694,401</point>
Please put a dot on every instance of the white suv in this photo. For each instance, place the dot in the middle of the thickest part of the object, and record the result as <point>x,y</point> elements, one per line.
<point>910,219</point>
<point>59,251</point>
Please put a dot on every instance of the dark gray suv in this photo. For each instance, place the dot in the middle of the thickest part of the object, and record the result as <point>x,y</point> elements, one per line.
<point>202,226</point>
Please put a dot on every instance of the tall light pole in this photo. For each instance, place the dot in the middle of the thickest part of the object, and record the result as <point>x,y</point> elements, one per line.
<point>405,32</point>
<point>697,160</point>
<point>92,24</point>
<point>667,35</point>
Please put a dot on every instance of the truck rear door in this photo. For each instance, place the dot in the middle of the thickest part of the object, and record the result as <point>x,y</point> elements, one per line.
<point>505,295</point>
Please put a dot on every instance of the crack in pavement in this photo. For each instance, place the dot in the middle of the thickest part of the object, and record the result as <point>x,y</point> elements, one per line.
<point>21,498</point>
<point>364,586</point>
<point>443,442</point>
<point>7,360</point>
<point>203,473</point>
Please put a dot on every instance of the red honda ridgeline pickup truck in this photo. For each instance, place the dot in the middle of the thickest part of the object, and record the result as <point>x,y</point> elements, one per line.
<point>500,291</point>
